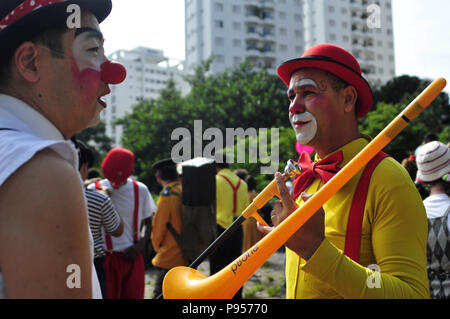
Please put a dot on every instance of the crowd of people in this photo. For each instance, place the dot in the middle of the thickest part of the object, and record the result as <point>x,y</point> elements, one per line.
<point>389,220</point>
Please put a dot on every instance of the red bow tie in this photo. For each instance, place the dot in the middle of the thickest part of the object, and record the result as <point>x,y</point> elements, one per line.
<point>324,169</point>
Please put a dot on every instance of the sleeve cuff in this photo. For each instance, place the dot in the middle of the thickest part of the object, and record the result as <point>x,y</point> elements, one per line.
<point>323,259</point>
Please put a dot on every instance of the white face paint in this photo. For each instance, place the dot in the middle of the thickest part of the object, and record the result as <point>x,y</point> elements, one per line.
<point>303,83</point>
<point>305,127</point>
<point>303,122</point>
<point>88,56</point>
<point>88,49</point>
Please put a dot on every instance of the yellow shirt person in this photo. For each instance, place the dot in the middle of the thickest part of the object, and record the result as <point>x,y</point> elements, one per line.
<point>224,192</point>
<point>393,241</point>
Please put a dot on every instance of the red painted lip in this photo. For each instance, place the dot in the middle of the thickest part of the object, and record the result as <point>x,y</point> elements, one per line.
<point>300,123</point>
<point>102,103</point>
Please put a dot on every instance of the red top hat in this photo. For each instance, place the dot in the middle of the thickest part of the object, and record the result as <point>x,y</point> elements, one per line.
<point>21,20</point>
<point>118,166</point>
<point>337,61</point>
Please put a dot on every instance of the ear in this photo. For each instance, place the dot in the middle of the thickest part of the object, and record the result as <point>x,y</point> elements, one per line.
<point>26,61</point>
<point>350,96</point>
<point>84,171</point>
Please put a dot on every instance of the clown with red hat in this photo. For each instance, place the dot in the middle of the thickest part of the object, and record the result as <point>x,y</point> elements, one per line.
<point>53,77</point>
<point>124,262</point>
<point>369,239</point>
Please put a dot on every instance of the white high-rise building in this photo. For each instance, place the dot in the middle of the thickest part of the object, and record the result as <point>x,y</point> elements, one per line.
<point>148,71</point>
<point>269,32</point>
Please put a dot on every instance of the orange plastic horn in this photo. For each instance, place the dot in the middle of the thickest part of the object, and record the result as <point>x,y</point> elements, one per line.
<point>187,283</point>
<point>292,169</point>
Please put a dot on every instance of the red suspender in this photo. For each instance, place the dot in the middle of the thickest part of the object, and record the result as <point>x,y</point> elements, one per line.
<point>355,218</point>
<point>108,240</point>
<point>235,189</point>
<point>136,212</point>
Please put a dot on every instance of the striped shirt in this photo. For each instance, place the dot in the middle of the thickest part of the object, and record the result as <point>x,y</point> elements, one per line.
<point>102,218</point>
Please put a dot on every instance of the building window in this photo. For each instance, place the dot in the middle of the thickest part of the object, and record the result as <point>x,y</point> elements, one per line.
<point>218,7</point>
<point>219,41</point>
<point>219,24</point>
<point>251,29</point>
<point>220,58</point>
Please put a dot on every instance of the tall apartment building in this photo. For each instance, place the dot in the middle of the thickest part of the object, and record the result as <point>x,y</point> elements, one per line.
<point>148,71</point>
<point>268,32</point>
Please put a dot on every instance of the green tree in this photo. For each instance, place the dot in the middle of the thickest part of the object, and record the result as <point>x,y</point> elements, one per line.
<point>238,98</point>
<point>96,138</point>
<point>391,99</point>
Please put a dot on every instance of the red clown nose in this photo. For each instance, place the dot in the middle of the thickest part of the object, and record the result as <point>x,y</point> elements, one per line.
<point>113,72</point>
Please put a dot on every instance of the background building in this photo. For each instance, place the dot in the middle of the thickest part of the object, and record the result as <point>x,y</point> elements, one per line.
<point>148,71</point>
<point>268,32</point>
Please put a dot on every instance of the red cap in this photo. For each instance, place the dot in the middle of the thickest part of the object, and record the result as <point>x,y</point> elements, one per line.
<point>336,60</point>
<point>118,166</point>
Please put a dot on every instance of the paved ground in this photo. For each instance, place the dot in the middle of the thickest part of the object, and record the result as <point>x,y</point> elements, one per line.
<point>268,282</point>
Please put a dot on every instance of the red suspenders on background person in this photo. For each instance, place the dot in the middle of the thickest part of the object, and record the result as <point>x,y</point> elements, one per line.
<point>355,218</point>
<point>235,189</point>
<point>109,245</point>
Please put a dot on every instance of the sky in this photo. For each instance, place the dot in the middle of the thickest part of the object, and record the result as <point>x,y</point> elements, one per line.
<point>421,32</point>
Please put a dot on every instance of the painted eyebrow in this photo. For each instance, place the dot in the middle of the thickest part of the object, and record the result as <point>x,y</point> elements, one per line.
<point>302,84</point>
<point>93,33</point>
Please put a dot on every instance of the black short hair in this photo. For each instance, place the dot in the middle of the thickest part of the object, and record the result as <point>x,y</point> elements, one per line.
<point>51,38</point>
<point>85,154</point>
<point>336,82</point>
<point>93,173</point>
<point>167,173</point>
<point>251,182</point>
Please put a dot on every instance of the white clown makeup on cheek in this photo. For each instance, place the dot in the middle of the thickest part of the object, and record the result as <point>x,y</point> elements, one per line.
<point>88,56</point>
<point>303,122</point>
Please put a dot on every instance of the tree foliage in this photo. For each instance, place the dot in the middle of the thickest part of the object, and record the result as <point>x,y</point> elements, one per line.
<point>245,98</point>
<point>391,99</point>
<point>239,98</point>
<point>97,140</point>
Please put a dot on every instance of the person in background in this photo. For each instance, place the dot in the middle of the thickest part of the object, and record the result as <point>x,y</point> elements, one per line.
<point>410,165</point>
<point>232,198</point>
<point>168,214</point>
<point>433,162</point>
<point>101,212</point>
<point>124,263</point>
<point>251,235</point>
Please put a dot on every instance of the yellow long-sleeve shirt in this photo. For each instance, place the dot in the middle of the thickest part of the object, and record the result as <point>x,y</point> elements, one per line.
<point>224,196</point>
<point>393,237</point>
<point>169,207</point>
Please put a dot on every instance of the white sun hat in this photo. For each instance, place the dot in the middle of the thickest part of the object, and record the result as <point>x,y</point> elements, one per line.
<point>433,162</point>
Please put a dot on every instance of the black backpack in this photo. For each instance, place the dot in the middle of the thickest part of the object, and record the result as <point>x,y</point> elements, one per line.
<point>198,216</point>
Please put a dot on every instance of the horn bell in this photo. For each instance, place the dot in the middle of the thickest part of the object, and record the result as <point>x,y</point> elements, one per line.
<point>188,283</point>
